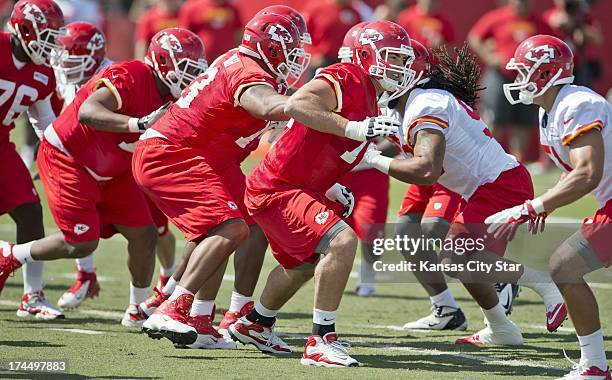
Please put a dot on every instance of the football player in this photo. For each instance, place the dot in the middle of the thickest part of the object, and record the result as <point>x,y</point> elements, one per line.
<point>442,129</point>
<point>294,196</point>
<point>26,84</point>
<point>189,165</point>
<point>81,55</point>
<point>575,133</point>
<point>85,162</point>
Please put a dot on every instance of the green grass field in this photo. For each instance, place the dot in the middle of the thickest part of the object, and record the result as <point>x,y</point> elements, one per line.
<point>97,346</point>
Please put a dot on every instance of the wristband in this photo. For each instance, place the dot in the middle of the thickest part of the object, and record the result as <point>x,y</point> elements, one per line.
<point>133,125</point>
<point>382,163</point>
<point>353,131</point>
<point>538,205</point>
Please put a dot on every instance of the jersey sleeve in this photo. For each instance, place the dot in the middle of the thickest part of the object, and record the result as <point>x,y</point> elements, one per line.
<point>428,110</point>
<point>581,118</point>
<point>342,81</point>
<point>119,81</point>
<point>247,79</point>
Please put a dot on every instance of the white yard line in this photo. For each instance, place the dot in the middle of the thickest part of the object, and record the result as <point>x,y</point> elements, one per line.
<point>73,275</point>
<point>77,331</point>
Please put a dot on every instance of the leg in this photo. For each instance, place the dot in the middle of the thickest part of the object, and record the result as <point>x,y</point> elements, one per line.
<point>282,284</point>
<point>29,221</point>
<point>141,253</point>
<point>165,249</point>
<point>248,261</point>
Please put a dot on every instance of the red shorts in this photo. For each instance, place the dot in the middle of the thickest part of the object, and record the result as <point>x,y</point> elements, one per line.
<point>295,221</point>
<point>16,186</point>
<point>435,201</point>
<point>511,188</point>
<point>160,220</point>
<point>370,188</point>
<point>597,230</point>
<point>85,209</point>
<point>195,196</point>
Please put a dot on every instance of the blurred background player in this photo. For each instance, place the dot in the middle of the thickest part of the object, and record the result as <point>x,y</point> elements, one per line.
<point>426,24</point>
<point>162,15</point>
<point>85,162</point>
<point>28,83</point>
<point>494,38</point>
<point>575,132</point>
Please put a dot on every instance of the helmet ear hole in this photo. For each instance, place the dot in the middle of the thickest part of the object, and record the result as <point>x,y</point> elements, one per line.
<point>544,74</point>
<point>273,53</point>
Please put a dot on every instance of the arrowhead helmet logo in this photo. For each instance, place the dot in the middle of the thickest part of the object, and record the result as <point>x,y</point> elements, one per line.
<point>33,13</point>
<point>369,36</point>
<point>279,33</point>
<point>542,52</point>
<point>96,42</point>
<point>170,43</point>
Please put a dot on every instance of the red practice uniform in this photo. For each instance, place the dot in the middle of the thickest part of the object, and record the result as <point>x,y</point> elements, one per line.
<point>189,162</point>
<point>87,173</point>
<point>286,191</point>
<point>434,202</point>
<point>154,20</point>
<point>426,28</point>
<point>20,88</point>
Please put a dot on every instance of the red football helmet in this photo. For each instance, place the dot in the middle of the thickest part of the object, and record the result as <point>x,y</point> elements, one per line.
<point>36,24</point>
<point>383,50</point>
<point>293,15</point>
<point>276,41</point>
<point>177,56</point>
<point>82,49</point>
<point>421,64</point>
<point>542,61</point>
<point>345,53</point>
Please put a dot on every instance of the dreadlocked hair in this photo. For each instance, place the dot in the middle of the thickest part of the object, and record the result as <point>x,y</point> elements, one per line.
<point>458,74</point>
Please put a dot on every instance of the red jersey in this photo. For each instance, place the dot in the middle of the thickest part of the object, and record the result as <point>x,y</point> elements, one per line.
<point>508,30</point>
<point>19,87</point>
<point>308,159</point>
<point>216,23</point>
<point>208,115</point>
<point>109,154</point>
<point>154,20</point>
<point>426,28</point>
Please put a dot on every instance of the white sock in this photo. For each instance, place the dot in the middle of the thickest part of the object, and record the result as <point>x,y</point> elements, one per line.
<point>138,295</point>
<point>238,301</point>
<point>86,264</point>
<point>444,298</point>
<point>23,252</point>
<point>496,315</point>
<point>367,274</point>
<point>33,276</point>
<point>541,283</point>
<point>202,307</point>
<point>179,291</point>
<point>323,317</point>
<point>167,272</point>
<point>592,351</point>
<point>170,286</point>
<point>262,310</point>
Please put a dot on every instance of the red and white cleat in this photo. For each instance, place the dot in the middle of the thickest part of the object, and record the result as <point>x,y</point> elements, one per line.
<point>208,336</point>
<point>85,286</point>
<point>35,305</point>
<point>555,316</point>
<point>507,335</point>
<point>170,321</point>
<point>580,372</point>
<point>230,317</point>
<point>8,263</point>
<point>262,337</point>
<point>327,352</point>
<point>133,317</point>
<point>151,304</point>
<point>162,281</point>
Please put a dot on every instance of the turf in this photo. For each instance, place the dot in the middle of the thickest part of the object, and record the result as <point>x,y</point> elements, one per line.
<point>370,325</point>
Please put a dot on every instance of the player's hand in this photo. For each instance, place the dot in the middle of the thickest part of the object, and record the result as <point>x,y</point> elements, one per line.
<point>372,127</point>
<point>143,123</point>
<point>343,195</point>
<point>503,225</point>
<point>374,158</point>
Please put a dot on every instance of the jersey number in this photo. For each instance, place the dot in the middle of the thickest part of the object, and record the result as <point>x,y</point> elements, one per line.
<point>195,88</point>
<point>8,89</point>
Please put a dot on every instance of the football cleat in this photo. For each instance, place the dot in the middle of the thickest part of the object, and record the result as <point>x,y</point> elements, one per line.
<point>441,318</point>
<point>162,281</point>
<point>555,316</point>
<point>8,263</point>
<point>580,371</point>
<point>262,337</point>
<point>230,317</point>
<point>506,293</point>
<point>149,305</point>
<point>170,321</point>
<point>133,317</point>
<point>507,335</point>
<point>365,290</point>
<point>327,352</point>
<point>36,305</point>
<point>85,286</point>
<point>208,337</point>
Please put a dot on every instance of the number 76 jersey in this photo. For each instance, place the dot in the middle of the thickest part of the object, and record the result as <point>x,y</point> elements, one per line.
<point>208,115</point>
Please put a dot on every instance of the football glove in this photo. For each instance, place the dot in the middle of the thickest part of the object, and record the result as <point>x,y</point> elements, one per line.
<point>374,158</point>
<point>276,129</point>
<point>371,127</point>
<point>503,225</point>
<point>139,125</point>
<point>343,195</point>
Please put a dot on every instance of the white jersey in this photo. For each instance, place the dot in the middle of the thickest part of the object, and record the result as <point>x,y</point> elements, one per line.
<point>473,157</point>
<point>68,91</point>
<point>576,110</point>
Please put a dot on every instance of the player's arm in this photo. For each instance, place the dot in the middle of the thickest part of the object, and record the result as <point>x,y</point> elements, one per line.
<point>41,115</point>
<point>314,104</point>
<point>424,168</point>
<point>263,102</point>
<point>587,159</point>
